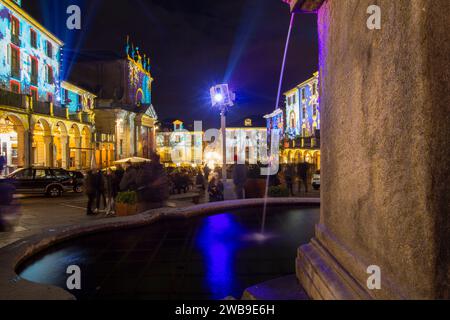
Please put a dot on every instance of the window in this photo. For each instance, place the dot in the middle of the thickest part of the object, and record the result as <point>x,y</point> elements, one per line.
<point>41,174</point>
<point>34,94</point>
<point>49,49</point>
<point>294,99</point>
<point>15,86</point>
<point>15,31</point>
<point>314,88</point>
<point>49,97</point>
<point>304,112</point>
<point>61,174</point>
<point>50,76</point>
<point>34,71</point>
<point>33,39</point>
<point>315,110</point>
<point>26,174</point>
<point>303,94</point>
<point>15,62</point>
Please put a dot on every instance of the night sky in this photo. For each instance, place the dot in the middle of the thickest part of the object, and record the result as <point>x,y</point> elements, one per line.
<point>194,44</point>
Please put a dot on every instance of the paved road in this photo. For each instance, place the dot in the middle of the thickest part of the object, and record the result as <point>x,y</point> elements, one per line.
<point>34,213</point>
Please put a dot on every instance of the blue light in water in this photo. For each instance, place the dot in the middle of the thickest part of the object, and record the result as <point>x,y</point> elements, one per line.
<point>218,240</point>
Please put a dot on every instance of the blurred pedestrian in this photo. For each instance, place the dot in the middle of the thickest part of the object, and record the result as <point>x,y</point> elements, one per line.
<point>2,163</point>
<point>303,176</point>
<point>289,177</point>
<point>128,182</point>
<point>110,186</point>
<point>118,173</point>
<point>200,181</point>
<point>215,189</point>
<point>240,174</point>
<point>207,171</point>
<point>99,191</point>
<point>89,189</point>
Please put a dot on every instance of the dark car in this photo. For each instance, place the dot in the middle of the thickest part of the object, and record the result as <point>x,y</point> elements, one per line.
<point>77,181</point>
<point>40,180</point>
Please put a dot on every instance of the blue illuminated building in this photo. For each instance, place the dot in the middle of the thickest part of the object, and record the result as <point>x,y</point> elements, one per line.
<point>29,55</point>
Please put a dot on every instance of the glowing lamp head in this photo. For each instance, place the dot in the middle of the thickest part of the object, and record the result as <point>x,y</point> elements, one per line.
<point>218,97</point>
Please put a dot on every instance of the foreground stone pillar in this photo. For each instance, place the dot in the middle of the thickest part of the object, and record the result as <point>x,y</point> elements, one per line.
<point>385,143</point>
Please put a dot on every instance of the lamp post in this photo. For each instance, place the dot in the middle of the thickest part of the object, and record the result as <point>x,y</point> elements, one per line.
<point>222,98</point>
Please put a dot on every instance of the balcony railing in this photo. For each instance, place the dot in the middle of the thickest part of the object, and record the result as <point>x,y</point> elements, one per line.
<point>85,118</point>
<point>41,107</point>
<point>74,116</point>
<point>59,112</point>
<point>303,142</point>
<point>11,99</point>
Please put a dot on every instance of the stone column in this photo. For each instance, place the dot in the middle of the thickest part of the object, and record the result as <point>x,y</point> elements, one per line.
<point>65,152</point>
<point>385,142</point>
<point>49,154</point>
<point>77,153</point>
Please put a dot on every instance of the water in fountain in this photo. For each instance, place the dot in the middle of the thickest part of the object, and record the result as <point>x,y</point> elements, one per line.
<point>262,236</point>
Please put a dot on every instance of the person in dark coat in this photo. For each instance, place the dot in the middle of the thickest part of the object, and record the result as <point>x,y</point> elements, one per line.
<point>200,181</point>
<point>128,182</point>
<point>2,164</point>
<point>303,176</point>
<point>110,187</point>
<point>89,189</point>
<point>240,174</point>
<point>118,174</point>
<point>99,191</point>
<point>215,189</point>
<point>207,171</point>
<point>289,177</point>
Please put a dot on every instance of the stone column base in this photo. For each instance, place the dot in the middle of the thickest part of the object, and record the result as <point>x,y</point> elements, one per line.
<point>322,276</point>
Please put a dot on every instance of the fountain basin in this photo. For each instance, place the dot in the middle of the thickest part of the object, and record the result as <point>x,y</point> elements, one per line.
<point>209,243</point>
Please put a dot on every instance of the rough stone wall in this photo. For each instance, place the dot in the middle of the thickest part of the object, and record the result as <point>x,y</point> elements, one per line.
<point>385,141</point>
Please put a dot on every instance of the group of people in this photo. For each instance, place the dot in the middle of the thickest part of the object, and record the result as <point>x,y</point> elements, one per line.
<point>102,188</point>
<point>300,172</point>
<point>148,180</point>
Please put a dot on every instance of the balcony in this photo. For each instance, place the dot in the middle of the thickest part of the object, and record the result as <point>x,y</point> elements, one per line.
<point>59,112</point>
<point>74,116</point>
<point>302,143</point>
<point>85,117</point>
<point>41,107</point>
<point>11,99</point>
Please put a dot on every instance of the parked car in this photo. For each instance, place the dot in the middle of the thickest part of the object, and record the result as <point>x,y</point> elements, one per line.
<point>316,180</point>
<point>77,181</point>
<point>40,180</point>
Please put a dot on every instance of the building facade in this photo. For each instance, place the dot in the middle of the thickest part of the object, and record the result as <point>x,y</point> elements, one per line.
<point>178,146</point>
<point>36,126</point>
<point>125,119</point>
<point>300,121</point>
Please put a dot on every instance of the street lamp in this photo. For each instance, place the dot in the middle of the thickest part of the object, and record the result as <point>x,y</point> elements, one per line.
<point>222,98</point>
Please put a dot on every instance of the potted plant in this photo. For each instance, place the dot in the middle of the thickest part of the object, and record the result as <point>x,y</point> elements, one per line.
<point>126,203</point>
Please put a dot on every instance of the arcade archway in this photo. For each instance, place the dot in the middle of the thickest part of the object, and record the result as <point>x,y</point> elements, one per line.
<point>13,145</point>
